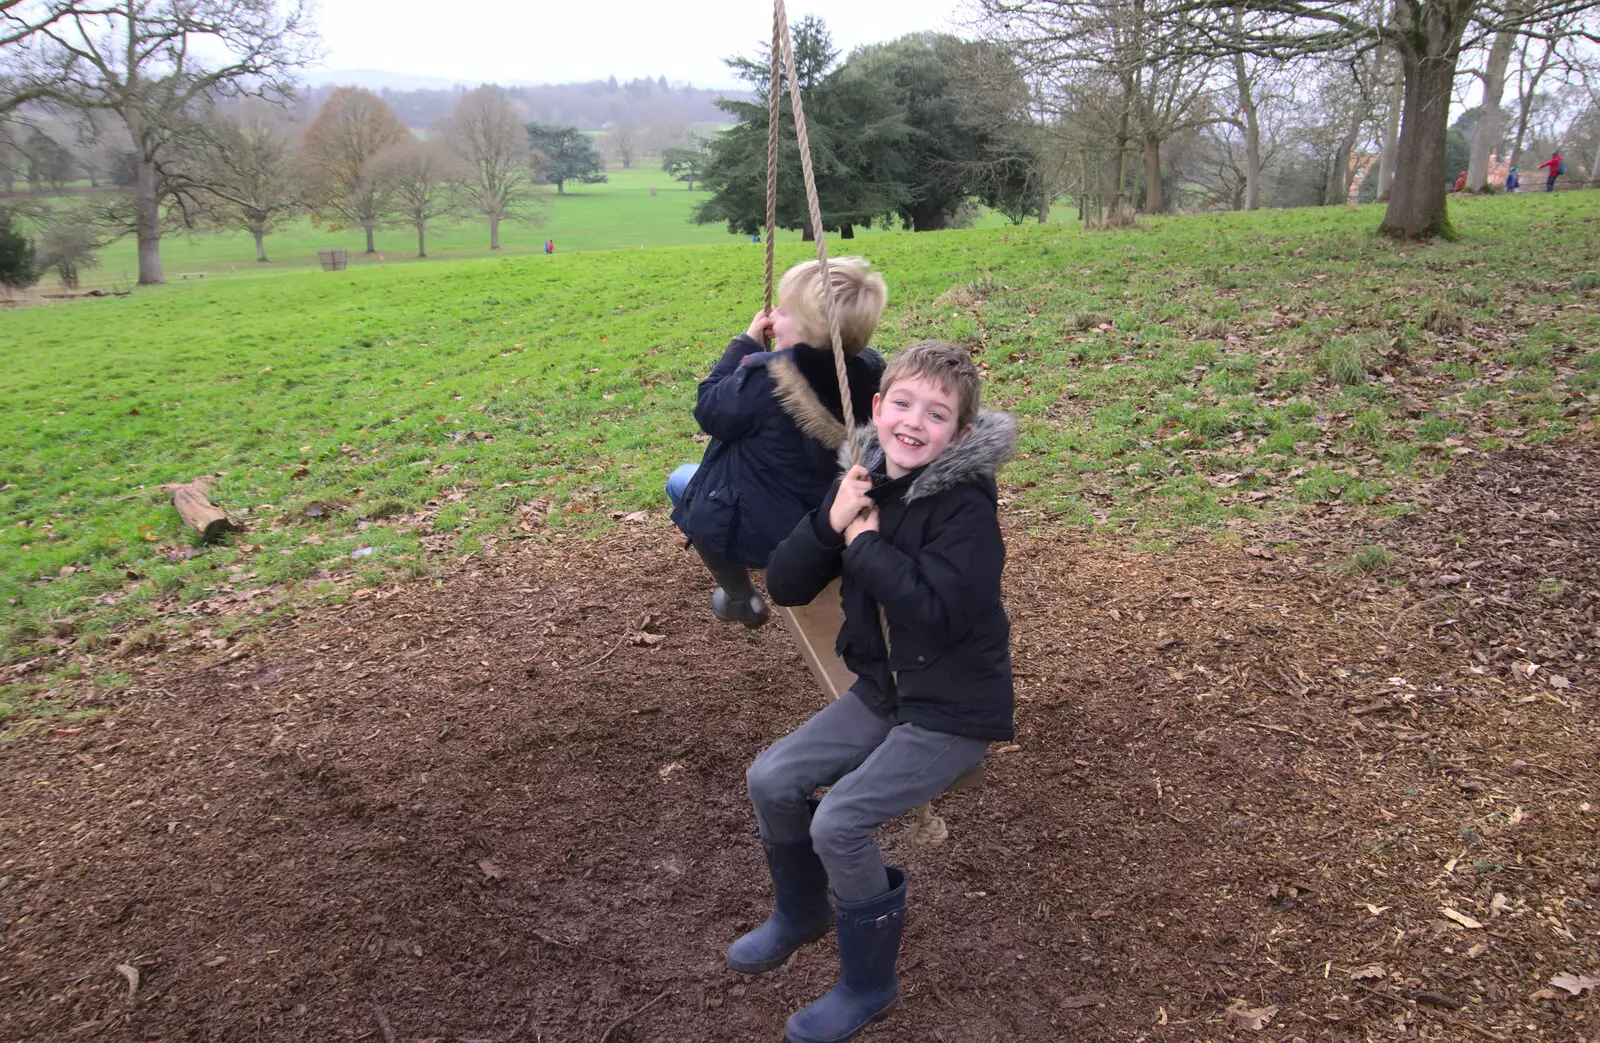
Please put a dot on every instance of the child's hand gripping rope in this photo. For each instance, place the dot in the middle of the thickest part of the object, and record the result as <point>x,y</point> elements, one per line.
<point>854,510</point>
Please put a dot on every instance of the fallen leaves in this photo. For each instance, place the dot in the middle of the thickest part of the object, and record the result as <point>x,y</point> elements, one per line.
<point>1461,918</point>
<point>130,972</point>
<point>1371,972</point>
<point>1254,1019</point>
<point>1576,984</point>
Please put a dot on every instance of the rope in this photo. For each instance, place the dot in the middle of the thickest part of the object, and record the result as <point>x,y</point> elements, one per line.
<point>772,146</point>
<point>928,829</point>
<point>780,28</point>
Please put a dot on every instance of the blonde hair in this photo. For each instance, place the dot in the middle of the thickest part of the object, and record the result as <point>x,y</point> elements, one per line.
<point>943,363</point>
<point>859,295</point>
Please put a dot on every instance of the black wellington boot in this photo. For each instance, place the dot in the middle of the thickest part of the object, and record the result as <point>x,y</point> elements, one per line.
<point>801,911</point>
<point>869,947</point>
<point>735,599</point>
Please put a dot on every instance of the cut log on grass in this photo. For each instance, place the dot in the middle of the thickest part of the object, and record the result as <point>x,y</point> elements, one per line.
<point>199,512</point>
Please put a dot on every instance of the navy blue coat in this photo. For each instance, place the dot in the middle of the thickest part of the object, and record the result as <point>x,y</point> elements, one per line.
<point>924,628</point>
<point>775,424</point>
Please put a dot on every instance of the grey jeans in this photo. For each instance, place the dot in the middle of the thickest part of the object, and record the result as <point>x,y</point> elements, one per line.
<point>878,768</point>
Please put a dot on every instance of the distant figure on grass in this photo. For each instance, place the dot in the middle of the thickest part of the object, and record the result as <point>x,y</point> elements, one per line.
<point>775,422</point>
<point>915,534</point>
<point>1512,181</point>
<point>549,246</point>
<point>1558,166</point>
<point>1461,181</point>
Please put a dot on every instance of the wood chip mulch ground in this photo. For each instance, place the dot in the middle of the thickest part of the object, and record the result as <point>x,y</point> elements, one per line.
<point>1251,797</point>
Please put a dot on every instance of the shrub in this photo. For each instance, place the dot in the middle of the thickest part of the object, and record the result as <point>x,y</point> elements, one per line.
<point>18,265</point>
<point>68,248</point>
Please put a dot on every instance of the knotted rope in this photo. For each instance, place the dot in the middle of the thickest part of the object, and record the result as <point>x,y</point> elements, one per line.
<point>928,829</point>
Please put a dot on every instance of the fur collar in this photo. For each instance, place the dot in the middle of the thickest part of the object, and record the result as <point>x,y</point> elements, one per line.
<point>808,390</point>
<point>991,442</point>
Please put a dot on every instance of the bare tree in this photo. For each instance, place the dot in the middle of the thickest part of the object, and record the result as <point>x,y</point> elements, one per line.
<point>487,134</point>
<point>20,21</point>
<point>1095,59</point>
<point>1427,35</point>
<point>249,174</point>
<point>624,139</point>
<point>141,60</point>
<point>424,180</point>
<point>1248,117</point>
<point>339,147</point>
<point>1487,134</point>
<point>1536,56</point>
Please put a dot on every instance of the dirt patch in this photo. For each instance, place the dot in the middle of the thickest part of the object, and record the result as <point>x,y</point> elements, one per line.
<point>511,806</point>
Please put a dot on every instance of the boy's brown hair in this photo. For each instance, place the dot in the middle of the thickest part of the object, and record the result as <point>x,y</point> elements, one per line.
<point>859,295</point>
<point>946,365</point>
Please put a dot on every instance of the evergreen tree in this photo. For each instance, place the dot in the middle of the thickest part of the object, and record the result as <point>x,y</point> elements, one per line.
<point>855,133</point>
<point>901,131</point>
<point>17,265</point>
<point>564,154</point>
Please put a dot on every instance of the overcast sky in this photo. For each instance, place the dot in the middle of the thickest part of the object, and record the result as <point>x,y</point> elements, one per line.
<point>478,41</point>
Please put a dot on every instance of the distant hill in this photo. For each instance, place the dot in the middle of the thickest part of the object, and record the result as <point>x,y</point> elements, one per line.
<point>380,79</point>
<point>596,105</point>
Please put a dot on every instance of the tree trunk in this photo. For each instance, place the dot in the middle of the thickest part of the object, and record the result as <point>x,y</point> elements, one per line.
<point>494,231</point>
<point>422,240</point>
<point>261,243</point>
<point>1339,184</point>
<point>1252,150</point>
<point>371,247</point>
<point>1153,203</point>
<point>1252,124</point>
<point>806,234</point>
<point>561,186</point>
<point>1487,134</point>
<point>1417,207</point>
<point>1044,212</point>
<point>847,231</point>
<point>1390,149</point>
<point>147,223</point>
<point>1123,134</point>
<point>1594,168</point>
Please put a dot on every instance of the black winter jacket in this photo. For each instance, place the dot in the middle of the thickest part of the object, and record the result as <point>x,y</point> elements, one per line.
<point>933,568</point>
<point>775,424</point>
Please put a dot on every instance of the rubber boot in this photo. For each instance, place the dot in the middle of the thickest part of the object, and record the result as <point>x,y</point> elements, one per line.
<point>869,946</point>
<point>801,912</point>
<point>735,599</point>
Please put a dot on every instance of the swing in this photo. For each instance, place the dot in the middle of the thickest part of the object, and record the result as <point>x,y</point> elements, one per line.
<point>814,626</point>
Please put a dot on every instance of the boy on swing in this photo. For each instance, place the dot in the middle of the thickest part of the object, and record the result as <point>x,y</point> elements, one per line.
<point>775,421</point>
<point>913,529</point>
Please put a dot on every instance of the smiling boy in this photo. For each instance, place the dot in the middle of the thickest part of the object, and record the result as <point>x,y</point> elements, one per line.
<point>914,532</point>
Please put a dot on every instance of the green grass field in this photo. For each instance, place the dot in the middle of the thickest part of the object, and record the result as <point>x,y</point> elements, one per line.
<point>616,214</point>
<point>1169,377</point>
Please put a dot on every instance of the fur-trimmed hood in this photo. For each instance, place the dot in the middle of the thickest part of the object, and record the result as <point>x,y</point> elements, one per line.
<point>989,445</point>
<point>808,389</point>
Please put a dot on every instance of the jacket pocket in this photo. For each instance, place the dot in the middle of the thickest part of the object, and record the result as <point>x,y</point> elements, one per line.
<point>910,652</point>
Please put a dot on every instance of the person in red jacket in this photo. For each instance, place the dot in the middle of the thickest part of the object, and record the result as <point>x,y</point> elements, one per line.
<point>1558,166</point>
<point>1461,181</point>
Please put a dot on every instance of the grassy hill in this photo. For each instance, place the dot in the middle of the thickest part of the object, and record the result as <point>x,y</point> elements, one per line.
<point>366,422</point>
<point>617,214</point>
